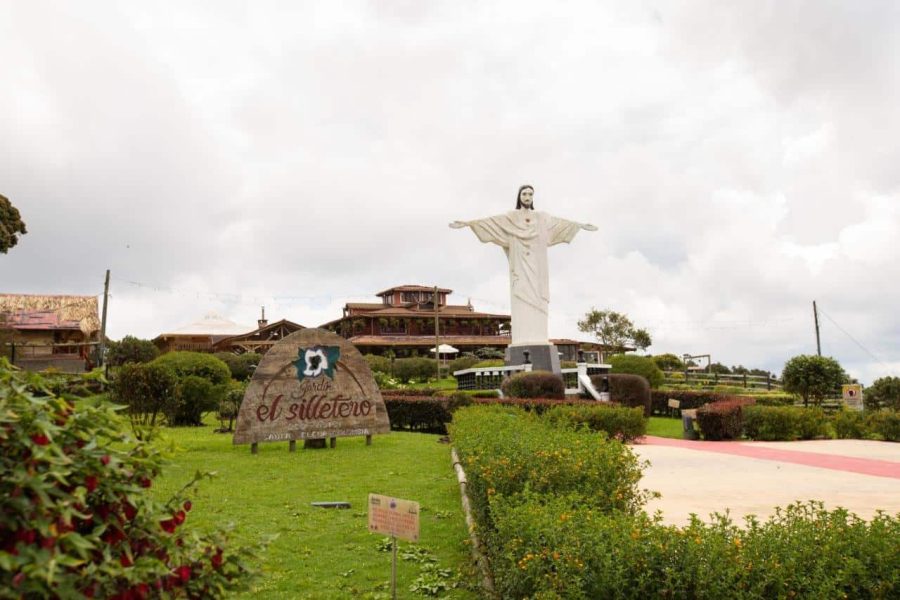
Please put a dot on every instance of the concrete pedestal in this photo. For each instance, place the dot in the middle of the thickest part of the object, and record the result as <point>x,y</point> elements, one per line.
<point>543,357</point>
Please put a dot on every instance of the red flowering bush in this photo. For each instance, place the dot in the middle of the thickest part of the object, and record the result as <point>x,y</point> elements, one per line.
<point>722,420</point>
<point>75,518</point>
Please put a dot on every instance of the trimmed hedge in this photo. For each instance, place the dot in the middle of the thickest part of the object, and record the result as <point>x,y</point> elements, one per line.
<point>423,413</point>
<point>784,423</point>
<point>722,420</point>
<point>536,384</point>
<point>659,399</point>
<point>618,422</point>
<point>628,390</point>
<point>409,392</point>
<point>553,547</point>
<point>416,368</point>
<point>633,364</point>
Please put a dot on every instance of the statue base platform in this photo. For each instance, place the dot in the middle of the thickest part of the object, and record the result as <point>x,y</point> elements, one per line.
<point>543,357</point>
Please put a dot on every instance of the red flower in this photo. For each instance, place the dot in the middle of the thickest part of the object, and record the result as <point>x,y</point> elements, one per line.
<point>179,517</point>
<point>184,573</point>
<point>104,459</point>
<point>40,439</point>
<point>141,590</point>
<point>130,511</point>
<point>217,559</point>
<point>168,525</point>
<point>125,561</point>
<point>48,543</point>
<point>17,579</point>
<point>26,535</point>
<point>187,505</point>
<point>146,482</point>
<point>90,482</point>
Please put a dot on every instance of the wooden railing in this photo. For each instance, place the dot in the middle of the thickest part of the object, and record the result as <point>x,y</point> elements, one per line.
<point>709,380</point>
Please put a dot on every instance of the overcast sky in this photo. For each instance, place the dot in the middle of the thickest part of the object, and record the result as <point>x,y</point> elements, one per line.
<point>740,159</point>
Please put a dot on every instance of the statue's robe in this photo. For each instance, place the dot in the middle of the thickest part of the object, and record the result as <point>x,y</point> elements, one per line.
<point>525,236</point>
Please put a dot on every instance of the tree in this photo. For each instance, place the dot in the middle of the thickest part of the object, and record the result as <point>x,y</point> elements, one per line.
<point>10,224</point>
<point>131,350</point>
<point>614,330</point>
<point>719,368</point>
<point>668,362</point>
<point>638,365</point>
<point>813,377</point>
<point>883,393</point>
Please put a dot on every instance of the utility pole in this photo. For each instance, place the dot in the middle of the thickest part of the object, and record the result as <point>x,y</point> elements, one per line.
<point>437,335</point>
<point>103,322</point>
<point>816,319</point>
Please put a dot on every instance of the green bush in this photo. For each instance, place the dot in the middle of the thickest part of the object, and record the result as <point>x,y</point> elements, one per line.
<point>488,363</point>
<point>537,406</point>
<point>463,362</point>
<point>885,423</point>
<point>813,377</point>
<point>722,420</point>
<point>75,516</point>
<point>812,423</point>
<point>193,396</point>
<point>883,393</point>
<point>784,423</point>
<point>618,422</point>
<point>200,364</point>
<point>241,366</point>
<point>689,399</point>
<point>773,399</point>
<point>850,424</point>
<point>626,389</point>
<point>131,350</point>
<point>637,365</point>
<point>378,364</point>
<point>553,547</point>
<point>419,369</point>
<point>534,384</point>
<point>145,390</point>
<point>423,413</point>
<point>230,405</point>
<point>505,451</point>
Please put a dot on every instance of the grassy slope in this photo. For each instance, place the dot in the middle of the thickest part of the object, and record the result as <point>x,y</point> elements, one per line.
<point>665,427</point>
<point>324,553</point>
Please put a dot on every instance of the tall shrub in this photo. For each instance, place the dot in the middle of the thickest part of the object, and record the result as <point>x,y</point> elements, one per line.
<point>883,393</point>
<point>131,350</point>
<point>627,389</point>
<point>199,364</point>
<point>637,365</point>
<point>146,390</point>
<point>417,368</point>
<point>534,384</point>
<point>240,365</point>
<point>722,420</point>
<point>193,396</point>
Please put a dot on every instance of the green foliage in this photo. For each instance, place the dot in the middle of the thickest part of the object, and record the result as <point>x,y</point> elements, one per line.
<point>722,420</point>
<point>487,353</point>
<point>506,451</point>
<point>11,225</point>
<point>626,389</point>
<point>784,423</point>
<point>378,364</point>
<point>463,362</point>
<point>75,516</point>
<point>618,422</point>
<point>668,362</point>
<point>145,389</point>
<point>488,363</point>
<point>637,365</point>
<point>719,368</point>
<point>131,350</point>
<point>850,424</point>
<point>885,423</point>
<point>230,405</point>
<point>423,413</point>
<point>883,393</point>
<point>193,396</point>
<point>417,368</point>
<point>556,548</point>
<point>813,377</point>
<point>614,330</point>
<point>534,384</point>
<point>200,364</point>
<point>241,366</point>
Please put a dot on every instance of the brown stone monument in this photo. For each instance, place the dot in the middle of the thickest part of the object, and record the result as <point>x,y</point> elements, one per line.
<point>312,385</point>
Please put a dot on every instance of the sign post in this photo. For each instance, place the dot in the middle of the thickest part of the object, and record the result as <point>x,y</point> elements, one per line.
<point>396,518</point>
<point>852,395</point>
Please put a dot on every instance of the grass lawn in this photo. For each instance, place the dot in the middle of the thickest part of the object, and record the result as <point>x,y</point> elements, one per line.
<point>325,553</point>
<point>666,427</point>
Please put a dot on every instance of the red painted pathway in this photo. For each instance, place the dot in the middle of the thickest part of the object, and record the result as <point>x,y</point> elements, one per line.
<point>864,466</point>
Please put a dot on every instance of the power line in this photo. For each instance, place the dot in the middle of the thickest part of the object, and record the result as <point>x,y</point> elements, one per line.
<point>853,339</point>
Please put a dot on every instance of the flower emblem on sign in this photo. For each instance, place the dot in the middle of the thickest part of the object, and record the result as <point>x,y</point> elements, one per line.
<point>317,361</point>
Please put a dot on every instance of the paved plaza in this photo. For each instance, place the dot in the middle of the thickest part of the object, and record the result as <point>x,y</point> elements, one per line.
<point>755,477</point>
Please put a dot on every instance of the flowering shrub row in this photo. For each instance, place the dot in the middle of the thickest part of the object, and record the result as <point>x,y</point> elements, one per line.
<point>505,451</point>
<point>618,422</point>
<point>554,547</point>
<point>75,517</point>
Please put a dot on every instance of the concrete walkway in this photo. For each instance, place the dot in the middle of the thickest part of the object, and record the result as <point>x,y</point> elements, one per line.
<point>755,477</point>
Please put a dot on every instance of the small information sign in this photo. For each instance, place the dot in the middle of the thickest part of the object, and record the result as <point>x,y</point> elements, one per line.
<point>394,517</point>
<point>852,394</point>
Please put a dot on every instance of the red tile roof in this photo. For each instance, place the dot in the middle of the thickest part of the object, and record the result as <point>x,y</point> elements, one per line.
<point>40,320</point>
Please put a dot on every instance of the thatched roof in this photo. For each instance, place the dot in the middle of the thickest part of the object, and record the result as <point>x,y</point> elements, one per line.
<point>67,308</point>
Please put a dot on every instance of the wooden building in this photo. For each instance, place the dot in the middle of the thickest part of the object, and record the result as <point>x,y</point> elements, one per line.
<point>260,339</point>
<point>403,322</point>
<point>201,335</point>
<point>39,332</point>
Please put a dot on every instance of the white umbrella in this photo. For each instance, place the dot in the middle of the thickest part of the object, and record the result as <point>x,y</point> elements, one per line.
<point>445,349</point>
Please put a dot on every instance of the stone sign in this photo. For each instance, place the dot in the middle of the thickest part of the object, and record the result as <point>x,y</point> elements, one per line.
<point>394,517</point>
<point>311,385</point>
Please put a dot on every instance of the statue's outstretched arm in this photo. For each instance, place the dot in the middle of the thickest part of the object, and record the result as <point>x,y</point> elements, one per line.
<point>586,227</point>
<point>458,224</point>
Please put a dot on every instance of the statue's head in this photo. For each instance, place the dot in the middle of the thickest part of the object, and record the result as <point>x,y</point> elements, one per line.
<point>525,199</point>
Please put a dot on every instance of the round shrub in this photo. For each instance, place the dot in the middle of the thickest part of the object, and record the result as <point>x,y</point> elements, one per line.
<point>75,516</point>
<point>131,350</point>
<point>145,389</point>
<point>417,368</point>
<point>536,384</point>
<point>200,364</point>
<point>241,366</point>
<point>193,396</point>
<point>625,389</point>
<point>850,425</point>
<point>637,365</point>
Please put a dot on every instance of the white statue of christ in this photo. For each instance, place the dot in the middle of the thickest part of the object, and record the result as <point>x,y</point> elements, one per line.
<point>525,234</point>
